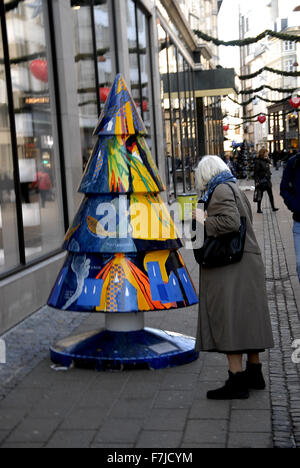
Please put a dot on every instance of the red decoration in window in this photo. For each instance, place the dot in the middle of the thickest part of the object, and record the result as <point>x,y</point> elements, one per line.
<point>145,106</point>
<point>39,69</point>
<point>104,92</point>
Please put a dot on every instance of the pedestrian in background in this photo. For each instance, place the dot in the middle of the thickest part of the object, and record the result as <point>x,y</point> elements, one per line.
<point>228,159</point>
<point>43,185</point>
<point>290,192</point>
<point>262,178</point>
<point>233,312</point>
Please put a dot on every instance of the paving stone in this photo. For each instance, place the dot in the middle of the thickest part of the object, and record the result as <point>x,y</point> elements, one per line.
<point>84,419</point>
<point>131,409</point>
<point>206,432</point>
<point>214,373</point>
<point>21,445</point>
<point>203,446</point>
<point>3,436</point>
<point>119,431</point>
<point>250,440</point>
<point>139,389</point>
<point>71,439</point>
<point>112,446</point>
<point>157,439</point>
<point>176,381</point>
<point>174,399</point>
<point>22,398</point>
<point>166,420</point>
<point>10,418</point>
<point>259,400</point>
<point>208,409</point>
<point>34,430</point>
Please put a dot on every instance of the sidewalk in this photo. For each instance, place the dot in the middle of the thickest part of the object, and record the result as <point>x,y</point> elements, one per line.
<point>41,407</point>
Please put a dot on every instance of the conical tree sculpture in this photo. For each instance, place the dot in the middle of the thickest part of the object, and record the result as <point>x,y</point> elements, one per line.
<point>122,252</point>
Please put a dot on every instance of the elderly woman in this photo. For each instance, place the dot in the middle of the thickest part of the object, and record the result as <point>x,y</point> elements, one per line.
<point>233,314</point>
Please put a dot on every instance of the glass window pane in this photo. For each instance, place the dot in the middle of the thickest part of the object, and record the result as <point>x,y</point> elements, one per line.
<point>85,57</point>
<point>144,51</point>
<point>38,161</point>
<point>105,51</point>
<point>9,255</point>
<point>133,56</point>
<point>165,103</point>
<point>86,82</point>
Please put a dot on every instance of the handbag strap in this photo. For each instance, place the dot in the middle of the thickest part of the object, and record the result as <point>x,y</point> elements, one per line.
<point>237,201</point>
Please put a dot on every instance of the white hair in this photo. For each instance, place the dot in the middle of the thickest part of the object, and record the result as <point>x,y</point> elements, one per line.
<point>209,167</point>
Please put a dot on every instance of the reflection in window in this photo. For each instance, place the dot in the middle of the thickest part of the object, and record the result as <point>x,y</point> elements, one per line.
<point>9,257</point>
<point>178,105</point>
<point>88,52</point>
<point>139,62</point>
<point>38,163</point>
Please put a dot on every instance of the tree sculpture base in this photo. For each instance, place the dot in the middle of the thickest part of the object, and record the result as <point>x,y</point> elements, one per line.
<point>110,350</point>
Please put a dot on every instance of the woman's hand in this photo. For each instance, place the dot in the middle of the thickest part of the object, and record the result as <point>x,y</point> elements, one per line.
<point>199,215</point>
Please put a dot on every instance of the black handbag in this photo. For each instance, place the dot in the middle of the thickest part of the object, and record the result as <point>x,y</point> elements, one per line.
<point>257,196</point>
<point>223,250</point>
<point>264,184</point>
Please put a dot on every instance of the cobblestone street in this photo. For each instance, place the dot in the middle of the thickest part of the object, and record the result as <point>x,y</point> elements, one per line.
<point>43,407</point>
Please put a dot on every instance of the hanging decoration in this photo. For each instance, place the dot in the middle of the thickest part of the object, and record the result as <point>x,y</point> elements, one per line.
<point>261,118</point>
<point>104,92</point>
<point>261,88</point>
<point>295,102</point>
<point>248,40</point>
<point>269,69</point>
<point>226,127</point>
<point>247,118</point>
<point>39,69</point>
<point>271,101</point>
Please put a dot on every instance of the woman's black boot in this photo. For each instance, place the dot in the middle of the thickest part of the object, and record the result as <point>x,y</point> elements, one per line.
<point>259,210</point>
<point>254,376</point>
<point>234,388</point>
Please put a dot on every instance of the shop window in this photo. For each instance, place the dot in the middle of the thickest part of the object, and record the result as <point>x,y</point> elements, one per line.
<point>40,177</point>
<point>95,59</point>
<point>140,67</point>
<point>9,257</point>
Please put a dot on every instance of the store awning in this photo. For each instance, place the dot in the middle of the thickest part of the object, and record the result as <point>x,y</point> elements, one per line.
<point>218,82</point>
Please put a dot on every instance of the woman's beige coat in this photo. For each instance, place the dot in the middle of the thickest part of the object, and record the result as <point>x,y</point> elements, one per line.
<point>233,312</point>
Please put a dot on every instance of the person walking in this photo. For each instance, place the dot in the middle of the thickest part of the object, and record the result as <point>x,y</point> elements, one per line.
<point>290,192</point>
<point>44,185</point>
<point>233,313</point>
<point>262,178</point>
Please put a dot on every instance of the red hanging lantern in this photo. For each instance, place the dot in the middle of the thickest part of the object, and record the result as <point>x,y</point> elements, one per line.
<point>39,69</point>
<point>225,127</point>
<point>295,102</point>
<point>104,92</point>
<point>261,119</point>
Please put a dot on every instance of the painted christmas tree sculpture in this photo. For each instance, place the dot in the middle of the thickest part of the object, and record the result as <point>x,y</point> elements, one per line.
<point>122,252</point>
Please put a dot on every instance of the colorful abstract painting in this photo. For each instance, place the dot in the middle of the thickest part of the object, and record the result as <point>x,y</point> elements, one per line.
<point>123,283</point>
<point>124,223</point>
<point>121,164</point>
<point>122,245</point>
<point>120,115</point>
